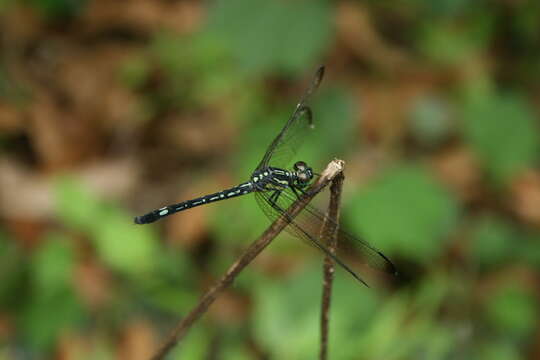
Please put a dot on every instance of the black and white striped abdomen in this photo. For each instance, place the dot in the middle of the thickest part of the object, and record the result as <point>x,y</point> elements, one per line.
<point>155,215</point>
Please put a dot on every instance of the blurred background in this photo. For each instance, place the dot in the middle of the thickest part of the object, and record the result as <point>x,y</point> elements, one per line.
<point>109,109</point>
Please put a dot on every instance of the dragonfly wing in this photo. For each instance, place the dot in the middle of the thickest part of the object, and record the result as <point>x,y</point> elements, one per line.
<point>264,201</point>
<point>286,144</point>
<point>311,220</point>
<point>273,210</point>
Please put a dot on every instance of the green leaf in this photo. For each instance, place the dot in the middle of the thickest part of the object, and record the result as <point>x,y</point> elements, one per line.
<point>120,243</point>
<point>237,353</point>
<point>57,9</point>
<point>438,342</point>
<point>286,314</point>
<point>12,273</point>
<point>405,211</point>
<point>493,241</point>
<point>265,35</point>
<point>53,265</point>
<point>334,127</point>
<point>512,311</point>
<point>77,206</point>
<point>498,350</point>
<point>195,345</point>
<point>124,246</point>
<point>431,294</point>
<point>529,250</point>
<point>197,68</point>
<point>503,133</point>
<point>172,287</point>
<point>448,44</point>
<point>53,306</point>
<point>382,338</point>
<point>441,8</point>
<point>50,314</point>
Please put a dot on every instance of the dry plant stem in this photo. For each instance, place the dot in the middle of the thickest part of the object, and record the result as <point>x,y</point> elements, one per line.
<point>329,231</point>
<point>334,168</point>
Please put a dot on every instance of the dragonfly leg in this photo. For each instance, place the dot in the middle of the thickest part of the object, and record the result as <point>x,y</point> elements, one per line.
<point>274,197</point>
<point>297,191</point>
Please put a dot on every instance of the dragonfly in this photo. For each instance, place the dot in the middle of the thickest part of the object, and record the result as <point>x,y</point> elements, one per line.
<point>276,187</point>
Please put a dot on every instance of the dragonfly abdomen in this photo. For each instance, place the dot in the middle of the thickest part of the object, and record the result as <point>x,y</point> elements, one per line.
<point>160,213</point>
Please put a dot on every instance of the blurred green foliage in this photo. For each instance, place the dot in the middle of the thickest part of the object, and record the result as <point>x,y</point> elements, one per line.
<point>493,241</point>
<point>119,244</point>
<point>299,32</point>
<point>447,43</point>
<point>466,262</point>
<point>51,280</point>
<point>296,305</point>
<point>502,131</point>
<point>406,211</point>
<point>519,322</point>
<point>58,9</point>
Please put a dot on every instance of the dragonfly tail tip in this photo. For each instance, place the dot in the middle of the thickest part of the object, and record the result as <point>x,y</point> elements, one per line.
<point>144,219</point>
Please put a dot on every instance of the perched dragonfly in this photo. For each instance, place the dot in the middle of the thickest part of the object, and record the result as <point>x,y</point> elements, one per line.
<point>277,187</point>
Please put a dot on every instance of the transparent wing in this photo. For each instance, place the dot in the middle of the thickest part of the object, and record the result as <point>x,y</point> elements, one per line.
<point>311,219</point>
<point>273,211</point>
<point>282,150</point>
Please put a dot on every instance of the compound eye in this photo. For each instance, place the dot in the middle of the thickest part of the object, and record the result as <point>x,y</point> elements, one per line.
<point>300,166</point>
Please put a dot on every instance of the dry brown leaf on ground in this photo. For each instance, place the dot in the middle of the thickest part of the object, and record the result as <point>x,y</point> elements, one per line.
<point>230,308</point>
<point>92,282</point>
<point>385,107</point>
<point>73,346</point>
<point>459,169</point>
<point>11,118</point>
<point>29,195</point>
<point>355,28</point>
<point>525,198</point>
<point>200,134</point>
<point>143,16</point>
<point>138,340</point>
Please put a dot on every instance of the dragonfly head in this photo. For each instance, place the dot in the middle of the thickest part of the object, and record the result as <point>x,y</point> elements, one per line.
<point>303,173</point>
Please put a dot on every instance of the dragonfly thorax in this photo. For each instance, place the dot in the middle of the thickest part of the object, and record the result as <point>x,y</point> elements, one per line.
<point>277,178</point>
<point>272,178</point>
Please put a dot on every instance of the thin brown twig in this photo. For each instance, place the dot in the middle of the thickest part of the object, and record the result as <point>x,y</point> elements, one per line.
<point>329,232</point>
<point>332,170</point>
